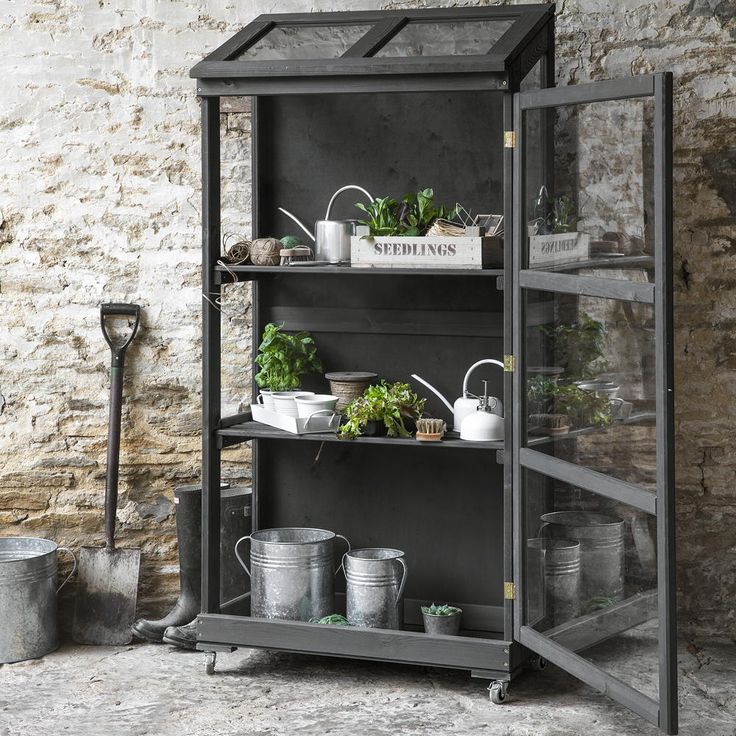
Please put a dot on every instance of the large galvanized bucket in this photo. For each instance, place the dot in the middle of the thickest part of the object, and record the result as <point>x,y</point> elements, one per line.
<point>601,538</point>
<point>553,588</point>
<point>292,573</point>
<point>375,577</point>
<point>28,625</point>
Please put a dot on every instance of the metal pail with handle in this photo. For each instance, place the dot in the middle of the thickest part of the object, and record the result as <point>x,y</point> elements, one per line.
<point>292,573</point>
<point>28,588</point>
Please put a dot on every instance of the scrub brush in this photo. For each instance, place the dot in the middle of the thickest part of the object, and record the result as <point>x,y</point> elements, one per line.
<point>430,430</point>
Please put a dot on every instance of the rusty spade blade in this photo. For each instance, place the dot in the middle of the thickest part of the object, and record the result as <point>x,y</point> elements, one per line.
<point>107,589</point>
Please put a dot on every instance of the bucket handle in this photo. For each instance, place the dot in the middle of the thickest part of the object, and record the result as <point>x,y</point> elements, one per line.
<point>237,554</point>
<point>320,413</point>
<point>403,580</point>
<point>342,559</point>
<point>74,568</point>
<point>400,560</point>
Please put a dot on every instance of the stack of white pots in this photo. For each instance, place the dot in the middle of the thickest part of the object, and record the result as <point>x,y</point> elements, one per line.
<point>297,403</point>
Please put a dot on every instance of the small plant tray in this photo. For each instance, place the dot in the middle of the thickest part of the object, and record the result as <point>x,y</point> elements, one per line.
<point>431,251</point>
<point>320,422</point>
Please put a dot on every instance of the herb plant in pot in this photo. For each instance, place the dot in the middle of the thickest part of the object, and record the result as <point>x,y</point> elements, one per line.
<point>384,409</point>
<point>442,619</point>
<point>283,359</point>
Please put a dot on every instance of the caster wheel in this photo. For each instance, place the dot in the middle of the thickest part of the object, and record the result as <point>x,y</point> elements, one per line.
<point>497,692</point>
<point>538,663</point>
<point>209,662</point>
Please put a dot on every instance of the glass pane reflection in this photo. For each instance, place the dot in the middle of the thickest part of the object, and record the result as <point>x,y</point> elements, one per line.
<point>589,202</point>
<point>305,42</point>
<point>457,38</point>
<point>591,582</point>
<point>590,383</point>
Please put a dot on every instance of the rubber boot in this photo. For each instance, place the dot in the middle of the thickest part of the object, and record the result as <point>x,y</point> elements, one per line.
<point>184,637</point>
<point>188,500</point>
<point>235,513</point>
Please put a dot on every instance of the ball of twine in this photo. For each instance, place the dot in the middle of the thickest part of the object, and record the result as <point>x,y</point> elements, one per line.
<point>237,249</point>
<point>266,252</point>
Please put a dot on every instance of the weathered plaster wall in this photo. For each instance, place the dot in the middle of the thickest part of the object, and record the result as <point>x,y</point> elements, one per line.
<point>99,195</point>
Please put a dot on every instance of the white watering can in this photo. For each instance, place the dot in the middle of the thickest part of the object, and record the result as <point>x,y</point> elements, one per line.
<point>331,237</point>
<point>468,403</point>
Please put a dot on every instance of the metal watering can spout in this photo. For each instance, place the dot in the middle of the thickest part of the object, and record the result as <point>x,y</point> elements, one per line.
<point>434,391</point>
<point>298,222</point>
<point>340,223</point>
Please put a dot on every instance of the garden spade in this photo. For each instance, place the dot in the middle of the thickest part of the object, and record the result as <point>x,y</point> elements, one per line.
<point>107,586</point>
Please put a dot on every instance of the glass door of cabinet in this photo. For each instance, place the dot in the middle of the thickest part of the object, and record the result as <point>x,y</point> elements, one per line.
<point>593,402</point>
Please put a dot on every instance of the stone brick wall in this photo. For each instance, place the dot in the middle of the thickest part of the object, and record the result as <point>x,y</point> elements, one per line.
<point>99,200</point>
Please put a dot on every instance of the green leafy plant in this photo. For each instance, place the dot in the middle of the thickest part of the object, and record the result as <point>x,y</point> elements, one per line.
<point>563,218</point>
<point>418,212</point>
<point>334,619</point>
<point>383,216</point>
<point>391,404</point>
<point>284,358</point>
<point>555,215</point>
<point>582,408</point>
<point>442,610</point>
<point>578,347</point>
<point>411,217</point>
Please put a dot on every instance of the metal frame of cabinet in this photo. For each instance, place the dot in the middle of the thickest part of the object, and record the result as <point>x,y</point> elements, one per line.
<point>530,39</point>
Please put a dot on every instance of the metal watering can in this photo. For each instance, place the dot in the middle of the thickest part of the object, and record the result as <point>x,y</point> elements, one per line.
<point>331,237</point>
<point>467,404</point>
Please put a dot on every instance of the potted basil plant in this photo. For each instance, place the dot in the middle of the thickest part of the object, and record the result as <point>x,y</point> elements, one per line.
<point>442,619</point>
<point>283,359</point>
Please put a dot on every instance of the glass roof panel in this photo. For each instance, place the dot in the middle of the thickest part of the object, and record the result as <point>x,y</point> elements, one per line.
<point>446,38</point>
<point>305,42</point>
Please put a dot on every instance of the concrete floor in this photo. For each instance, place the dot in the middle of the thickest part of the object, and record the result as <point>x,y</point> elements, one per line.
<point>158,691</point>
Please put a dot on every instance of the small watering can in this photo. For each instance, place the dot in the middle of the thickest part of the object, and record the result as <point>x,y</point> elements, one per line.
<point>331,237</point>
<point>468,403</point>
<point>483,424</point>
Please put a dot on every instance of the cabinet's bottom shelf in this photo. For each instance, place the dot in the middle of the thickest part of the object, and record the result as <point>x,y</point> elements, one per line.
<point>475,653</point>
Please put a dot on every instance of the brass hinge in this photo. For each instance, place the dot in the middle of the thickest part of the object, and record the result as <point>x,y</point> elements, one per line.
<point>509,591</point>
<point>509,139</point>
<point>509,363</point>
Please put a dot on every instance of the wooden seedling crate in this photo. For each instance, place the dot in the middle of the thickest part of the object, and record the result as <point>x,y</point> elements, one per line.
<point>426,252</point>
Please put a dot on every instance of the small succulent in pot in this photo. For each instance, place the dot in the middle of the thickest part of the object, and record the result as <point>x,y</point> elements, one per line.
<point>443,619</point>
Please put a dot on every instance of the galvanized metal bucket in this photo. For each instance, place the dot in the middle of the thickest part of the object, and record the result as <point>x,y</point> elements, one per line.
<point>375,577</point>
<point>28,625</point>
<point>292,573</point>
<point>553,591</point>
<point>601,538</point>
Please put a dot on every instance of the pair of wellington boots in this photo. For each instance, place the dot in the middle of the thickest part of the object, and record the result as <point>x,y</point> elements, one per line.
<point>179,626</point>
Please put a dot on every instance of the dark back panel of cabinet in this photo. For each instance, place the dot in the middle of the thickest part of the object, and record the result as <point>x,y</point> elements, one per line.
<point>310,145</point>
<point>442,508</point>
<point>436,327</point>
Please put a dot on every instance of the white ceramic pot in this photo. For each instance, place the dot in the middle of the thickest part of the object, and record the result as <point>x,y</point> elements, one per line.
<point>283,401</point>
<point>307,405</point>
<point>265,399</point>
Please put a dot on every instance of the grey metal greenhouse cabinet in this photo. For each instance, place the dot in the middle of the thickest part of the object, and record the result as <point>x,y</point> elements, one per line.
<point>462,100</point>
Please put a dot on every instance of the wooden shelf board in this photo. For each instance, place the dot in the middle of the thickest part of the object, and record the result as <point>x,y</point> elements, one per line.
<point>250,271</point>
<point>256,430</point>
<point>410,647</point>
